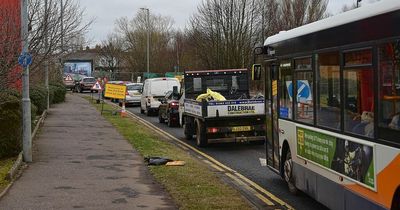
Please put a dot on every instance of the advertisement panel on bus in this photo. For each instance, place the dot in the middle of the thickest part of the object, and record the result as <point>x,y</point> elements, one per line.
<point>348,158</point>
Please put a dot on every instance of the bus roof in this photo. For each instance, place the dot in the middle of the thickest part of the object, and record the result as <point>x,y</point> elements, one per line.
<point>354,15</point>
<point>216,70</point>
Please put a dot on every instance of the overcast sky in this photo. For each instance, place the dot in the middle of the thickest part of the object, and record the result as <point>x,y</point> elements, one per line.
<point>105,12</point>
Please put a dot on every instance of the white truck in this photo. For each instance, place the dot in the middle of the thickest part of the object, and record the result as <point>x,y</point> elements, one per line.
<point>237,119</point>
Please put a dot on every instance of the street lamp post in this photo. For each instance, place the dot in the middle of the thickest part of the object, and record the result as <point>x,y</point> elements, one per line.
<point>26,102</point>
<point>46,62</point>
<point>148,38</point>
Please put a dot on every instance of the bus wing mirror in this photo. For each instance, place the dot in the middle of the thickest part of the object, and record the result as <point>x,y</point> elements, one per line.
<point>256,72</point>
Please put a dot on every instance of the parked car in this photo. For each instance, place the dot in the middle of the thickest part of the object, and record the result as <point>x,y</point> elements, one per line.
<point>153,90</point>
<point>85,83</point>
<point>169,109</point>
<point>133,94</point>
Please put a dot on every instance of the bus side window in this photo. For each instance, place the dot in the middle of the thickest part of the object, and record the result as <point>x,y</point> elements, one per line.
<point>286,90</point>
<point>389,93</point>
<point>359,93</point>
<point>328,98</point>
<point>304,90</point>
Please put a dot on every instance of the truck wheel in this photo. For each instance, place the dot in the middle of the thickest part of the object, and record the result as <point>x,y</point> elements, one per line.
<point>288,173</point>
<point>201,139</point>
<point>188,134</point>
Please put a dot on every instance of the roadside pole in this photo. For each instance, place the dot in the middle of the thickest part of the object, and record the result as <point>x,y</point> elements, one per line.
<point>46,62</point>
<point>26,102</point>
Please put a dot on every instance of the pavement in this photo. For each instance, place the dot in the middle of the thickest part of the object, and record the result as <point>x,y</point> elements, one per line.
<point>81,162</point>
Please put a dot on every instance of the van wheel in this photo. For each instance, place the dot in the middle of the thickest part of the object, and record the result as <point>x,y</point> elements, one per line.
<point>141,110</point>
<point>148,113</point>
<point>288,173</point>
<point>201,139</point>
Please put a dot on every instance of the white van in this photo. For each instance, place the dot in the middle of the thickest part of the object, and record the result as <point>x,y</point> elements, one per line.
<point>153,90</point>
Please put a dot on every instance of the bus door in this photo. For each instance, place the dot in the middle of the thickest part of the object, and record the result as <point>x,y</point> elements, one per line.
<point>271,103</point>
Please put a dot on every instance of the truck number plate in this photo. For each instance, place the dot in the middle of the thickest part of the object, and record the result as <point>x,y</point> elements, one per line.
<point>241,128</point>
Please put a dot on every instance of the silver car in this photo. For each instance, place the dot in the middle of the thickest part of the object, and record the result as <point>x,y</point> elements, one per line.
<point>133,94</point>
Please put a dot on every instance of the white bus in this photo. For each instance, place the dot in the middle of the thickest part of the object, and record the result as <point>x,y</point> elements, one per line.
<point>333,107</point>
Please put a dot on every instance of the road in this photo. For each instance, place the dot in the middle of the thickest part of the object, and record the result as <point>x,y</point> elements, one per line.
<point>245,159</point>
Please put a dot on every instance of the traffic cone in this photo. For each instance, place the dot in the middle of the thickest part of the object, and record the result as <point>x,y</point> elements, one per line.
<point>123,111</point>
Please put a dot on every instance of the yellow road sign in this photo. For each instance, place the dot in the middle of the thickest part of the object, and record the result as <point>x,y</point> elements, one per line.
<point>115,91</point>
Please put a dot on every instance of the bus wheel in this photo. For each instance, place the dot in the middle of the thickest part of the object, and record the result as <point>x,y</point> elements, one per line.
<point>201,139</point>
<point>288,173</point>
<point>396,200</point>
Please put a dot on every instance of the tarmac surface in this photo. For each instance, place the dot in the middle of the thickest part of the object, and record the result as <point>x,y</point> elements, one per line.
<point>81,162</point>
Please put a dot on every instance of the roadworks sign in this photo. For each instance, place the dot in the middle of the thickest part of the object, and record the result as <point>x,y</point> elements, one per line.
<point>97,86</point>
<point>68,78</point>
<point>115,91</point>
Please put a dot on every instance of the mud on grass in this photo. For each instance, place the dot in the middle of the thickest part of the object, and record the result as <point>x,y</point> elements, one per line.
<point>192,186</point>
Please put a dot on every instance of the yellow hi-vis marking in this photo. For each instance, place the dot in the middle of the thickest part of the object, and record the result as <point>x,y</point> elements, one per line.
<point>258,195</point>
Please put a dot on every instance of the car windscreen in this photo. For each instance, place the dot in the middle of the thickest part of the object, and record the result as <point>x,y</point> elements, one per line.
<point>134,87</point>
<point>89,80</point>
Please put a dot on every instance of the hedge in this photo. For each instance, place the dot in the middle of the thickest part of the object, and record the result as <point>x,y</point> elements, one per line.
<point>38,96</point>
<point>11,114</point>
<point>11,123</point>
<point>59,92</point>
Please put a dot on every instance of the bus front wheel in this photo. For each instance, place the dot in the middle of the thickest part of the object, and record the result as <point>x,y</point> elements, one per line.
<point>288,173</point>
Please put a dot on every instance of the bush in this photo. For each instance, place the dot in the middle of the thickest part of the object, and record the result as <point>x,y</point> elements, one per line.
<point>12,92</point>
<point>10,125</point>
<point>59,92</point>
<point>51,94</point>
<point>38,96</point>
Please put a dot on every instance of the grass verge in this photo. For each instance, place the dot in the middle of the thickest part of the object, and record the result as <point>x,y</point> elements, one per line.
<point>5,166</point>
<point>192,186</point>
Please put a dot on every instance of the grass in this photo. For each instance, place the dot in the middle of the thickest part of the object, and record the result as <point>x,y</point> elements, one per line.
<point>192,186</point>
<point>5,166</point>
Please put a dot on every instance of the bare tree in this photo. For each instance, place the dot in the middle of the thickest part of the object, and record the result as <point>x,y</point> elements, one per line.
<point>223,33</point>
<point>64,29</point>
<point>49,23</point>
<point>295,13</point>
<point>111,53</point>
<point>134,33</point>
